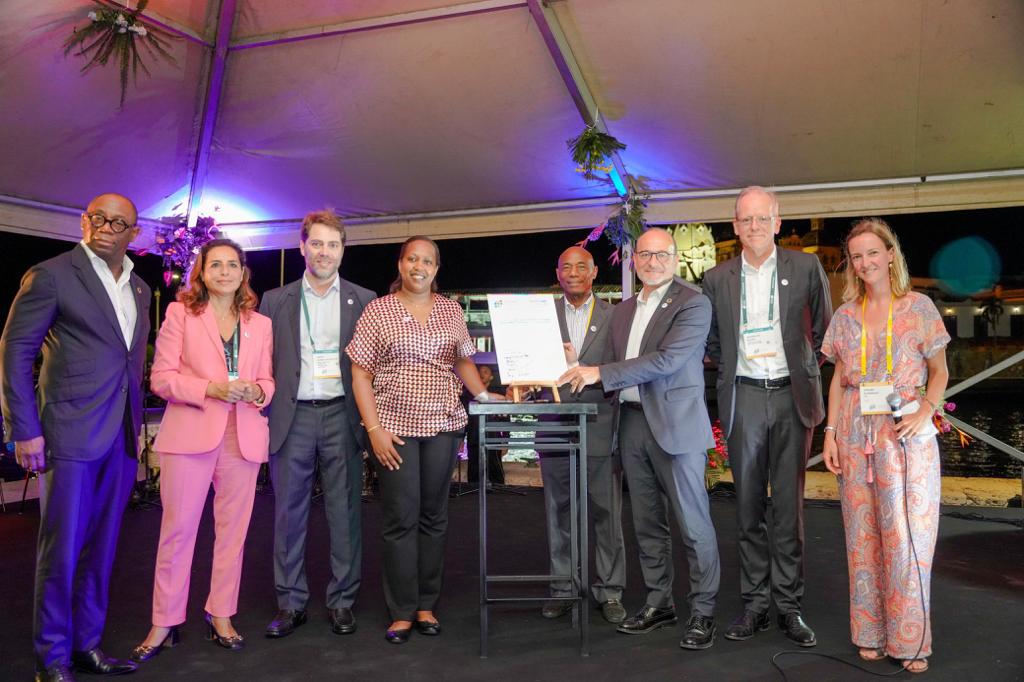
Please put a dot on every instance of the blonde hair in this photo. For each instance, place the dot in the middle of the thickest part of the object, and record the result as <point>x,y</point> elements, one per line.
<point>899,276</point>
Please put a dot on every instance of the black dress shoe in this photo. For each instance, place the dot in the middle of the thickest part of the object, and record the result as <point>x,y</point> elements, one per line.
<point>700,632</point>
<point>285,621</point>
<point>747,625</point>
<point>343,621</point>
<point>613,611</point>
<point>231,642</point>
<point>794,627</point>
<point>430,628</point>
<point>145,652</point>
<point>98,663</point>
<point>56,673</point>
<point>648,619</point>
<point>398,636</point>
<point>556,608</point>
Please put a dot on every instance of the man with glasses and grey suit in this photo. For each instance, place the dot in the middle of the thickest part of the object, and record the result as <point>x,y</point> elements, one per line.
<point>656,363</point>
<point>771,308</point>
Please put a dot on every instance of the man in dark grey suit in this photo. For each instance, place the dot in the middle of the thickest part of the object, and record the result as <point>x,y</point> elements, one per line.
<point>80,427</point>
<point>656,362</point>
<point>584,321</point>
<point>771,308</point>
<point>314,423</point>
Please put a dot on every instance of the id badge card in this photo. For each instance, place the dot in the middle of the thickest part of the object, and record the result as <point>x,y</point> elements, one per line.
<point>327,364</point>
<point>873,396</point>
<point>232,376</point>
<point>759,343</point>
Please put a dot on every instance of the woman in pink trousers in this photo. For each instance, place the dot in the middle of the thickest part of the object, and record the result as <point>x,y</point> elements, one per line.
<point>213,366</point>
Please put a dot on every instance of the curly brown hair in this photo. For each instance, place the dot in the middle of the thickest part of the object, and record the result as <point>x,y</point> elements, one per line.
<point>195,296</point>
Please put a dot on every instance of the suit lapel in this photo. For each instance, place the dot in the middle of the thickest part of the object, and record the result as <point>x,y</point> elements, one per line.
<point>95,288</point>
<point>293,312</point>
<point>621,326</point>
<point>596,321</point>
<point>141,310</point>
<point>660,312</point>
<point>784,274</point>
<point>732,290</point>
<point>210,323</point>
<point>347,300</point>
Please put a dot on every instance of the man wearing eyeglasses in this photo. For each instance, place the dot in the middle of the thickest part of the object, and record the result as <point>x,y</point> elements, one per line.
<point>656,363</point>
<point>771,308</point>
<point>90,314</point>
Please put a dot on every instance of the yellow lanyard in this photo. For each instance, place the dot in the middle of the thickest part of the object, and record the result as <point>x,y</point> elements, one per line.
<point>864,339</point>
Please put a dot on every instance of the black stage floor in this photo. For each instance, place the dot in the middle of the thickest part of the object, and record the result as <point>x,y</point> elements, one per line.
<point>977,601</point>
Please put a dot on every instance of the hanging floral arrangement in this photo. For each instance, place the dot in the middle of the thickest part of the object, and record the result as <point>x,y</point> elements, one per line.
<point>116,35</point>
<point>179,244</point>
<point>592,150</point>
<point>623,227</point>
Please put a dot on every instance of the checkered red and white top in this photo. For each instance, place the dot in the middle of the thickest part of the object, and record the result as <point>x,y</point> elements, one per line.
<point>416,390</point>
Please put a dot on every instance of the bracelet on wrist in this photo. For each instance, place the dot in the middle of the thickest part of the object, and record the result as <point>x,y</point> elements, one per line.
<point>372,428</point>
<point>482,396</point>
<point>829,428</point>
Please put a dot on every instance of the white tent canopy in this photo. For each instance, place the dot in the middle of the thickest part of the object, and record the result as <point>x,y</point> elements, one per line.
<point>450,118</point>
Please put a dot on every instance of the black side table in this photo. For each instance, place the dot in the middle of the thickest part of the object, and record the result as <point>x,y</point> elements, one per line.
<point>564,428</point>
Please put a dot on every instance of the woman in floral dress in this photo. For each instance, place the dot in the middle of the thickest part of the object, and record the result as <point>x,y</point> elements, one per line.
<point>886,341</point>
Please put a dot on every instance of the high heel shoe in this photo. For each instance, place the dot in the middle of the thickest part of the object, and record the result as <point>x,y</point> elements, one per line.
<point>233,643</point>
<point>144,652</point>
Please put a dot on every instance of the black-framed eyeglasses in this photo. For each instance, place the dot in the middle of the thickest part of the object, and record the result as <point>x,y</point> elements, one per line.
<point>98,220</point>
<point>661,256</point>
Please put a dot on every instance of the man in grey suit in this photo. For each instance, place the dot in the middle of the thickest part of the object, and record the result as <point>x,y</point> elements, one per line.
<point>771,308</point>
<point>656,362</point>
<point>314,423</point>
<point>80,427</point>
<point>584,321</point>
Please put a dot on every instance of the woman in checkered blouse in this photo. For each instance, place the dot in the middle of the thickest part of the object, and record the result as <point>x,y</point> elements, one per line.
<point>404,350</point>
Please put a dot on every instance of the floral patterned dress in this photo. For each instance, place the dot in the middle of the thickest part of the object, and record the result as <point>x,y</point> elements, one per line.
<point>881,490</point>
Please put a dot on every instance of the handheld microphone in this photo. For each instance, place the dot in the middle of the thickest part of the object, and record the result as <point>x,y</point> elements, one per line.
<point>896,405</point>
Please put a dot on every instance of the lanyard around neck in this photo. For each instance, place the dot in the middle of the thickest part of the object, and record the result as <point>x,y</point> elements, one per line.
<point>305,314</point>
<point>864,338</point>
<point>743,297</point>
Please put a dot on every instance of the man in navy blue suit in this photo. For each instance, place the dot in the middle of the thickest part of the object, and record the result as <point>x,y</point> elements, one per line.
<point>79,428</point>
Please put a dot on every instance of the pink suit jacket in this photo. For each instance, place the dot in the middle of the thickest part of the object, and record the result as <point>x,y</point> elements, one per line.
<point>189,355</point>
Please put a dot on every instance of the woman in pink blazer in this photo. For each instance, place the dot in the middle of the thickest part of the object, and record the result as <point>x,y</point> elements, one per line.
<point>213,366</point>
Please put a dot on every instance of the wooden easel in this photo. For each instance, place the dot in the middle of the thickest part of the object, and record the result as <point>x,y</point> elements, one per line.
<point>517,385</point>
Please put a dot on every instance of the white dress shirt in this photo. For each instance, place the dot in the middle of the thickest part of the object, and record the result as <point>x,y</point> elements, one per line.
<point>645,310</point>
<point>758,284</point>
<point>325,330</point>
<point>119,292</point>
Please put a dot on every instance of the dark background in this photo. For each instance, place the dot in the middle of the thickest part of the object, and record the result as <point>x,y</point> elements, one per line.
<point>529,260</point>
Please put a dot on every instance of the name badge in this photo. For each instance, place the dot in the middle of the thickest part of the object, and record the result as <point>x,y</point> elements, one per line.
<point>327,364</point>
<point>873,396</point>
<point>759,343</point>
<point>232,376</point>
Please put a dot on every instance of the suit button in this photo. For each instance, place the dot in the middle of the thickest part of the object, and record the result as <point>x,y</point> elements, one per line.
<point>297,375</point>
<point>293,401</point>
<point>124,389</point>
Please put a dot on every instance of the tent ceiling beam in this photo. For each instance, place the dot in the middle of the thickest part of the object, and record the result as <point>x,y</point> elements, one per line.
<point>211,105</point>
<point>798,201</point>
<point>572,76</point>
<point>405,18</point>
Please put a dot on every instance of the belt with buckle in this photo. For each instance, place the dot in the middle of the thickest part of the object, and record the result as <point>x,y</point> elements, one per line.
<point>322,402</point>
<point>631,405</point>
<point>767,384</point>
